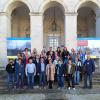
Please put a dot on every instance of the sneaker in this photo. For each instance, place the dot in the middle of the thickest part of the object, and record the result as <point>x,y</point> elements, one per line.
<point>58,88</point>
<point>40,88</point>
<point>77,83</point>
<point>68,88</point>
<point>90,87</point>
<point>84,87</point>
<point>62,88</point>
<point>74,89</point>
<point>44,87</point>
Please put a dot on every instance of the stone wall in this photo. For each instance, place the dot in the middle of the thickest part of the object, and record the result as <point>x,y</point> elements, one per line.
<point>36,11</point>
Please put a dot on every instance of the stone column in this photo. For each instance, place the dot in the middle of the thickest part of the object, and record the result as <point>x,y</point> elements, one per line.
<point>36,31</point>
<point>3,39</point>
<point>71,30</point>
<point>98,23</point>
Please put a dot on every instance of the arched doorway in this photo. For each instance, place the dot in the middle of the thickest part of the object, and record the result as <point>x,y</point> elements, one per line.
<point>86,20</point>
<point>20,21</point>
<point>19,27</point>
<point>53,23</point>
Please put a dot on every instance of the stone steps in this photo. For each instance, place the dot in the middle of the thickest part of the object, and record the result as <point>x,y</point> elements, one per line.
<point>3,80</point>
<point>54,96</point>
<point>96,79</point>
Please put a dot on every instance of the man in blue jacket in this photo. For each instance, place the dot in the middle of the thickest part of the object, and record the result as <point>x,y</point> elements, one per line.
<point>42,72</point>
<point>88,70</point>
<point>19,73</point>
<point>60,74</point>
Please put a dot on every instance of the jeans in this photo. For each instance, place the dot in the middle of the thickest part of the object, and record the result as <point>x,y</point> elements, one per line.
<point>36,80</point>
<point>19,81</point>
<point>88,81</point>
<point>60,81</point>
<point>77,77</point>
<point>65,61</point>
<point>42,79</point>
<point>30,79</point>
<point>71,80</point>
<point>10,80</point>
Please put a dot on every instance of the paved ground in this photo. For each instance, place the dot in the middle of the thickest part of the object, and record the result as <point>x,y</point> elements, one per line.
<point>50,96</point>
<point>47,94</point>
<point>37,90</point>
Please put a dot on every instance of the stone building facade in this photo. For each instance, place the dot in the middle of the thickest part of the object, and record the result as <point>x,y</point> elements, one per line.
<point>48,22</point>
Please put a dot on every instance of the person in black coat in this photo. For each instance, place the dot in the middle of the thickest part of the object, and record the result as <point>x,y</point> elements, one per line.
<point>58,52</point>
<point>88,70</point>
<point>65,54</point>
<point>10,68</point>
<point>19,73</point>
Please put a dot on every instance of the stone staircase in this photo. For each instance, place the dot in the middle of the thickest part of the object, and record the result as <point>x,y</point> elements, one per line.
<point>96,79</point>
<point>54,94</point>
<point>3,80</point>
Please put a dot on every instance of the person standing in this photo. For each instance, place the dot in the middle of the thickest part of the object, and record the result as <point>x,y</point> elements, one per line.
<point>37,66</point>
<point>19,73</point>
<point>78,67</point>
<point>16,60</point>
<point>88,70</point>
<point>35,59</point>
<point>27,52</point>
<point>50,73</point>
<point>51,54</point>
<point>42,72</point>
<point>73,55</point>
<point>65,55</point>
<point>30,73</point>
<point>81,55</point>
<point>58,52</point>
<point>55,63</point>
<point>10,68</point>
<point>70,70</point>
<point>60,74</point>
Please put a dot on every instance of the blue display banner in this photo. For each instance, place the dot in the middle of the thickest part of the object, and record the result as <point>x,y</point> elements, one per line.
<point>17,45</point>
<point>18,38</point>
<point>88,38</point>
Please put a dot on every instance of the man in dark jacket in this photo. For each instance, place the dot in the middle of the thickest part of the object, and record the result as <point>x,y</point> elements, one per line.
<point>10,68</point>
<point>16,60</point>
<point>88,69</point>
<point>42,72</point>
<point>65,55</point>
<point>70,70</point>
<point>60,74</point>
<point>19,73</point>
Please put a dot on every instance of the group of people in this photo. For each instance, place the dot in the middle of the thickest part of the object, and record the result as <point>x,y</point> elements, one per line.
<point>30,69</point>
